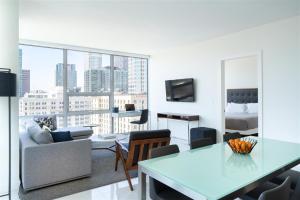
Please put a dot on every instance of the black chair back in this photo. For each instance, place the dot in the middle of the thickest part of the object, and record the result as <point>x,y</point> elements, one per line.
<point>163,151</point>
<point>296,193</point>
<point>144,116</point>
<point>155,186</point>
<point>281,192</point>
<point>198,143</point>
<point>229,136</point>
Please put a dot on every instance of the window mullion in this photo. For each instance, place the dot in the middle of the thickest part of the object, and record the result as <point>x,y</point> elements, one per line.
<point>112,89</point>
<point>65,87</point>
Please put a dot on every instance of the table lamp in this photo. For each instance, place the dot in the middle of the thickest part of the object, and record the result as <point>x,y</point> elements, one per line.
<point>8,89</point>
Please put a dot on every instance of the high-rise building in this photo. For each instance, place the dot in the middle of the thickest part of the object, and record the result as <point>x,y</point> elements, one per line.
<point>24,82</point>
<point>72,75</point>
<point>121,74</point>
<point>96,77</point>
<point>121,62</point>
<point>93,61</point>
<point>137,75</point>
<point>120,80</point>
<point>59,74</point>
<point>96,80</point>
<point>24,77</point>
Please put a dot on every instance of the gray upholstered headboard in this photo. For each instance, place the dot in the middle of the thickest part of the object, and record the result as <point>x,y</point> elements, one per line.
<point>242,95</point>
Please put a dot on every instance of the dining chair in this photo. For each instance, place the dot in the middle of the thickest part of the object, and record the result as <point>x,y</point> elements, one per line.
<point>296,192</point>
<point>201,143</point>
<point>295,182</point>
<point>282,192</point>
<point>143,119</point>
<point>138,149</point>
<point>293,174</point>
<point>158,190</point>
<point>270,191</point>
<point>229,136</point>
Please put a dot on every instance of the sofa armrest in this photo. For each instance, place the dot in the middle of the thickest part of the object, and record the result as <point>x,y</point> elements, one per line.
<point>48,164</point>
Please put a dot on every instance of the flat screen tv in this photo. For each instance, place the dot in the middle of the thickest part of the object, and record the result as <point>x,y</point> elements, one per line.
<point>180,90</point>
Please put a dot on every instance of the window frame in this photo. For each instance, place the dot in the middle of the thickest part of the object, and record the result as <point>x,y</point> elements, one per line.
<point>66,95</point>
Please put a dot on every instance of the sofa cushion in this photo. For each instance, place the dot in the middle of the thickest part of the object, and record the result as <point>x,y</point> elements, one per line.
<point>38,135</point>
<point>61,136</point>
<point>46,120</point>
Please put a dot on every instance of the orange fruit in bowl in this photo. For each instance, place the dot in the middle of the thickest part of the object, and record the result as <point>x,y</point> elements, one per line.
<point>243,147</point>
<point>249,145</point>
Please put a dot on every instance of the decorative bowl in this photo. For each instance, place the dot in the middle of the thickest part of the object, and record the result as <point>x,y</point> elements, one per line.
<point>243,145</point>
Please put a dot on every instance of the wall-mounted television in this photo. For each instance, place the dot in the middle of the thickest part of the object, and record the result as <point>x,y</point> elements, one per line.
<point>180,90</point>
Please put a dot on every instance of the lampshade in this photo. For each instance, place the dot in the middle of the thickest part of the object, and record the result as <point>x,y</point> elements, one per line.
<point>7,84</point>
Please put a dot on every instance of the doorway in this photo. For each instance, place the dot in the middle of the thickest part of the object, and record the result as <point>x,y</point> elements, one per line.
<point>241,95</point>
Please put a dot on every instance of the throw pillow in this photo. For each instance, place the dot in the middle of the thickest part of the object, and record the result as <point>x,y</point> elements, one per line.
<point>61,136</point>
<point>47,120</point>
<point>38,135</point>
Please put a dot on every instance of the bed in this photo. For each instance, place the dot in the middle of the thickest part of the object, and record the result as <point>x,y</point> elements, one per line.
<point>244,123</point>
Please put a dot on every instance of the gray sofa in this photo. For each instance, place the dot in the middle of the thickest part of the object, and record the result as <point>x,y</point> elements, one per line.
<point>48,164</point>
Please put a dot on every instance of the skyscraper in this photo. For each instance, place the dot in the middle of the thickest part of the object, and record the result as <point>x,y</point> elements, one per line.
<point>72,75</point>
<point>120,80</point>
<point>121,74</point>
<point>96,77</point>
<point>95,80</point>
<point>20,72</point>
<point>24,82</point>
<point>121,62</point>
<point>137,75</point>
<point>24,77</point>
<point>94,61</point>
<point>59,74</point>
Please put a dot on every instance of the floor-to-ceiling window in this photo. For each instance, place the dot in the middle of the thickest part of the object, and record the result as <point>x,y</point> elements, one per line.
<point>39,88</point>
<point>130,87</point>
<point>79,86</point>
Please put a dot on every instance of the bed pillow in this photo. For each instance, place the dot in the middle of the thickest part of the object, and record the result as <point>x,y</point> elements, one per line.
<point>236,108</point>
<point>252,107</point>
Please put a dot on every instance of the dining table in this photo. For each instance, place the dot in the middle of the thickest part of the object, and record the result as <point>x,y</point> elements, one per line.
<point>216,172</point>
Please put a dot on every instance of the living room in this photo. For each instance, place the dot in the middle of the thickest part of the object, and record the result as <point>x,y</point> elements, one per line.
<point>98,72</point>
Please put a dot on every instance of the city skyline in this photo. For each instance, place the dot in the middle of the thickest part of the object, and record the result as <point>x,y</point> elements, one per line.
<point>129,74</point>
<point>41,61</point>
<point>42,74</point>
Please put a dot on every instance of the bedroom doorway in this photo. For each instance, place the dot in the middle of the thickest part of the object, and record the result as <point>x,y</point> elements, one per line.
<point>241,91</point>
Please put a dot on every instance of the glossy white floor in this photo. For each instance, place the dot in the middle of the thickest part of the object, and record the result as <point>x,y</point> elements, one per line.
<point>116,191</point>
<point>120,190</point>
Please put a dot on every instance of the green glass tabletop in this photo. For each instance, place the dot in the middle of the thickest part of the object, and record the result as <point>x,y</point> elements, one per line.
<point>215,171</point>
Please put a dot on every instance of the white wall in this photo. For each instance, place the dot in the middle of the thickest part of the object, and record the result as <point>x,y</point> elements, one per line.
<point>241,73</point>
<point>280,44</point>
<point>9,37</point>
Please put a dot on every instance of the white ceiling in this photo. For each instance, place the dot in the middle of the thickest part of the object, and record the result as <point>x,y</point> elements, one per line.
<point>144,26</point>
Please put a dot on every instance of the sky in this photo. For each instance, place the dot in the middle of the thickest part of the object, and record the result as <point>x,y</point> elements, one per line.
<point>42,63</point>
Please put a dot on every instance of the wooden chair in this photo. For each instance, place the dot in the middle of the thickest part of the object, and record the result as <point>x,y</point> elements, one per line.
<point>138,149</point>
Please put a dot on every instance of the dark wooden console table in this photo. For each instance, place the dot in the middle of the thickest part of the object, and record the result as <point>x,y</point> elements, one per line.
<point>177,116</point>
